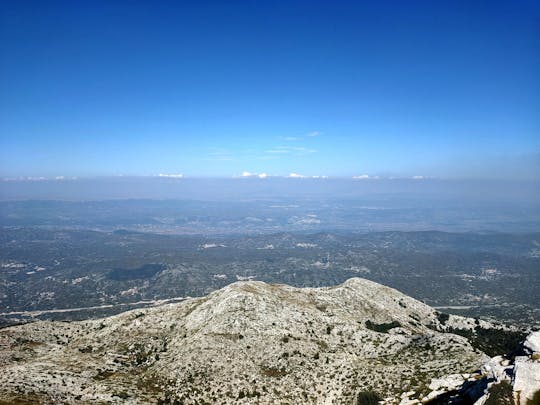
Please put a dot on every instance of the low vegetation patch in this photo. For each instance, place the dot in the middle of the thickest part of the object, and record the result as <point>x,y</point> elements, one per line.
<point>493,342</point>
<point>142,272</point>
<point>500,394</point>
<point>273,372</point>
<point>442,317</point>
<point>382,327</point>
<point>368,398</point>
<point>535,399</point>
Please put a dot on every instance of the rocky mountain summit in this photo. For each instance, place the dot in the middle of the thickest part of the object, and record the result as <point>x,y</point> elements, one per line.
<point>250,342</point>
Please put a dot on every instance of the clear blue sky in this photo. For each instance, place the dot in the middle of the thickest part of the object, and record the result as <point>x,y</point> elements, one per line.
<point>434,88</point>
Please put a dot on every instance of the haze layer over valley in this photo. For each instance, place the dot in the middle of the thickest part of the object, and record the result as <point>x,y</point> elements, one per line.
<point>465,249</point>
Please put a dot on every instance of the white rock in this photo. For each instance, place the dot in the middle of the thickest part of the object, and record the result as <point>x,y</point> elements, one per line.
<point>433,395</point>
<point>532,343</point>
<point>408,401</point>
<point>526,378</point>
<point>495,369</point>
<point>407,394</point>
<point>447,383</point>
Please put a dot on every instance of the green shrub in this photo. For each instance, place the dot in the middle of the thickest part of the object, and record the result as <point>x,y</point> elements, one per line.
<point>535,399</point>
<point>382,327</point>
<point>368,398</point>
<point>493,342</point>
<point>500,394</point>
<point>121,395</point>
<point>442,317</point>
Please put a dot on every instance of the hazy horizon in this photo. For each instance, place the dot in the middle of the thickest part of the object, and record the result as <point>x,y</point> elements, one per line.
<point>131,187</point>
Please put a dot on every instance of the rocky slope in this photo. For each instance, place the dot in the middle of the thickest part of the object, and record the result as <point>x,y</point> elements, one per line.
<point>249,342</point>
<point>500,380</point>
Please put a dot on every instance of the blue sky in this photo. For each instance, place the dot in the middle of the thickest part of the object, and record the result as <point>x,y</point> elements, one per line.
<point>446,89</point>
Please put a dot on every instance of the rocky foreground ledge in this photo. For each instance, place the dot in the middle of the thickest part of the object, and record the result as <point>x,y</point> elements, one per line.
<point>252,342</point>
<point>499,381</point>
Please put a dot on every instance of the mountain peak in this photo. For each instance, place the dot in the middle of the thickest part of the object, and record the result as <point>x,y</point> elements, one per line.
<point>248,340</point>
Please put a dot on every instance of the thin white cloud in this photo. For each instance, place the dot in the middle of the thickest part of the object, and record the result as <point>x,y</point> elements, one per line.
<point>65,178</point>
<point>366,177</point>
<point>29,178</point>
<point>246,174</point>
<point>172,176</point>
<point>290,150</point>
<point>278,151</point>
<point>311,134</point>
<point>296,176</point>
<point>418,177</point>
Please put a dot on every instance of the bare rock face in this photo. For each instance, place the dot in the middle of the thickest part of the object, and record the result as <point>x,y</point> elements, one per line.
<point>526,379</point>
<point>520,377</point>
<point>249,342</point>
<point>532,343</point>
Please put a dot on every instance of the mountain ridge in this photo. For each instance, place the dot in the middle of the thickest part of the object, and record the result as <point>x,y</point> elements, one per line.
<point>249,342</point>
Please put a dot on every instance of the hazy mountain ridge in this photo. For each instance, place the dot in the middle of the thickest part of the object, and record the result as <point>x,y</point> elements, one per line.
<point>248,342</point>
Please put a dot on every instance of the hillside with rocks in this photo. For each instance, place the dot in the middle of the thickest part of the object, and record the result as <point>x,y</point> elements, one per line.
<point>250,342</point>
